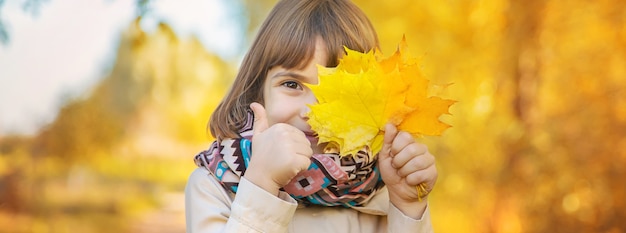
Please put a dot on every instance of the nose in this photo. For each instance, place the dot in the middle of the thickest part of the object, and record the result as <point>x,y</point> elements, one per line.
<point>304,111</point>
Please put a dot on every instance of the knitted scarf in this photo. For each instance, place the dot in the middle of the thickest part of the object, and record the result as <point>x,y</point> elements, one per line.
<point>331,180</point>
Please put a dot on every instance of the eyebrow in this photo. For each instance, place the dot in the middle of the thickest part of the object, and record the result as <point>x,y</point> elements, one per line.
<point>291,74</point>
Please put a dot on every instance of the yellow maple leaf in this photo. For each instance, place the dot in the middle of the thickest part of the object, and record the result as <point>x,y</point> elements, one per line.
<point>366,91</point>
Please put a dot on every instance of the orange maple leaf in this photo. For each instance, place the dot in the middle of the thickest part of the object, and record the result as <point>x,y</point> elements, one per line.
<point>366,91</point>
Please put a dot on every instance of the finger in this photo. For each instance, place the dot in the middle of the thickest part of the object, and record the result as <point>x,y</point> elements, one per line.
<point>292,134</point>
<point>407,153</point>
<point>260,118</point>
<point>302,147</point>
<point>417,163</point>
<point>428,176</point>
<point>390,134</point>
<point>304,165</point>
<point>401,140</point>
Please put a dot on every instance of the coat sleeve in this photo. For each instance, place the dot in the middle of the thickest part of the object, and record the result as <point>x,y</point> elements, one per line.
<point>209,208</point>
<point>398,222</point>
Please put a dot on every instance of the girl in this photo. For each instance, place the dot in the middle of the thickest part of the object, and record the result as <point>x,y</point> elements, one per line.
<point>266,171</point>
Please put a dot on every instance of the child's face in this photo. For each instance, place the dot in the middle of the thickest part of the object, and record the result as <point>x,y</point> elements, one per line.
<point>286,97</point>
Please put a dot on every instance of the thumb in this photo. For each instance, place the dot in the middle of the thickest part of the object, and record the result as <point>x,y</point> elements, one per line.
<point>390,134</point>
<point>260,118</point>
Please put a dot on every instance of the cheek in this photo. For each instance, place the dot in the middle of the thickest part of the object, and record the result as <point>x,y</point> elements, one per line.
<point>274,109</point>
<point>281,110</point>
<point>276,115</point>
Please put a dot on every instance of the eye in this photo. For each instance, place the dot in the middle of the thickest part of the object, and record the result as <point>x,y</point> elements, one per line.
<point>292,85</point>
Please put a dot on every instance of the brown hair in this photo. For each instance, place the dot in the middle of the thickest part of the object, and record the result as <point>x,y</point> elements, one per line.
<point>287,38</point>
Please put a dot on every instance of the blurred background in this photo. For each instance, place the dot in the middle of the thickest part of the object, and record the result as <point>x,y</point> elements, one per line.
<point>104,103</point>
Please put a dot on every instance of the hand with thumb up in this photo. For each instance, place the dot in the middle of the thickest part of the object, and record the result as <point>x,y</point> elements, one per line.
<point>279,152</point>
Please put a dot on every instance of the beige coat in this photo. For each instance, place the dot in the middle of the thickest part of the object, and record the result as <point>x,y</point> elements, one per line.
<point>210,208</point>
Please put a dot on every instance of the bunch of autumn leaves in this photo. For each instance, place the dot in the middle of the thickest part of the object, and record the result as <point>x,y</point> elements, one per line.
<point>366,91</point>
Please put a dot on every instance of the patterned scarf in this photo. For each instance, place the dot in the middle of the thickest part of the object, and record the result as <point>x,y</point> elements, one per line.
<point>330,180</point>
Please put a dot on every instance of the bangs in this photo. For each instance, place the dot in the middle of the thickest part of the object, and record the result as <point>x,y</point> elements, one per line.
<point>290,41</point>
<point>294,51</point>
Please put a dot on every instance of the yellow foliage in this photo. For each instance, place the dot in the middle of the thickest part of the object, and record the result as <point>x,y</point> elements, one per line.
<point>365,92</point>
